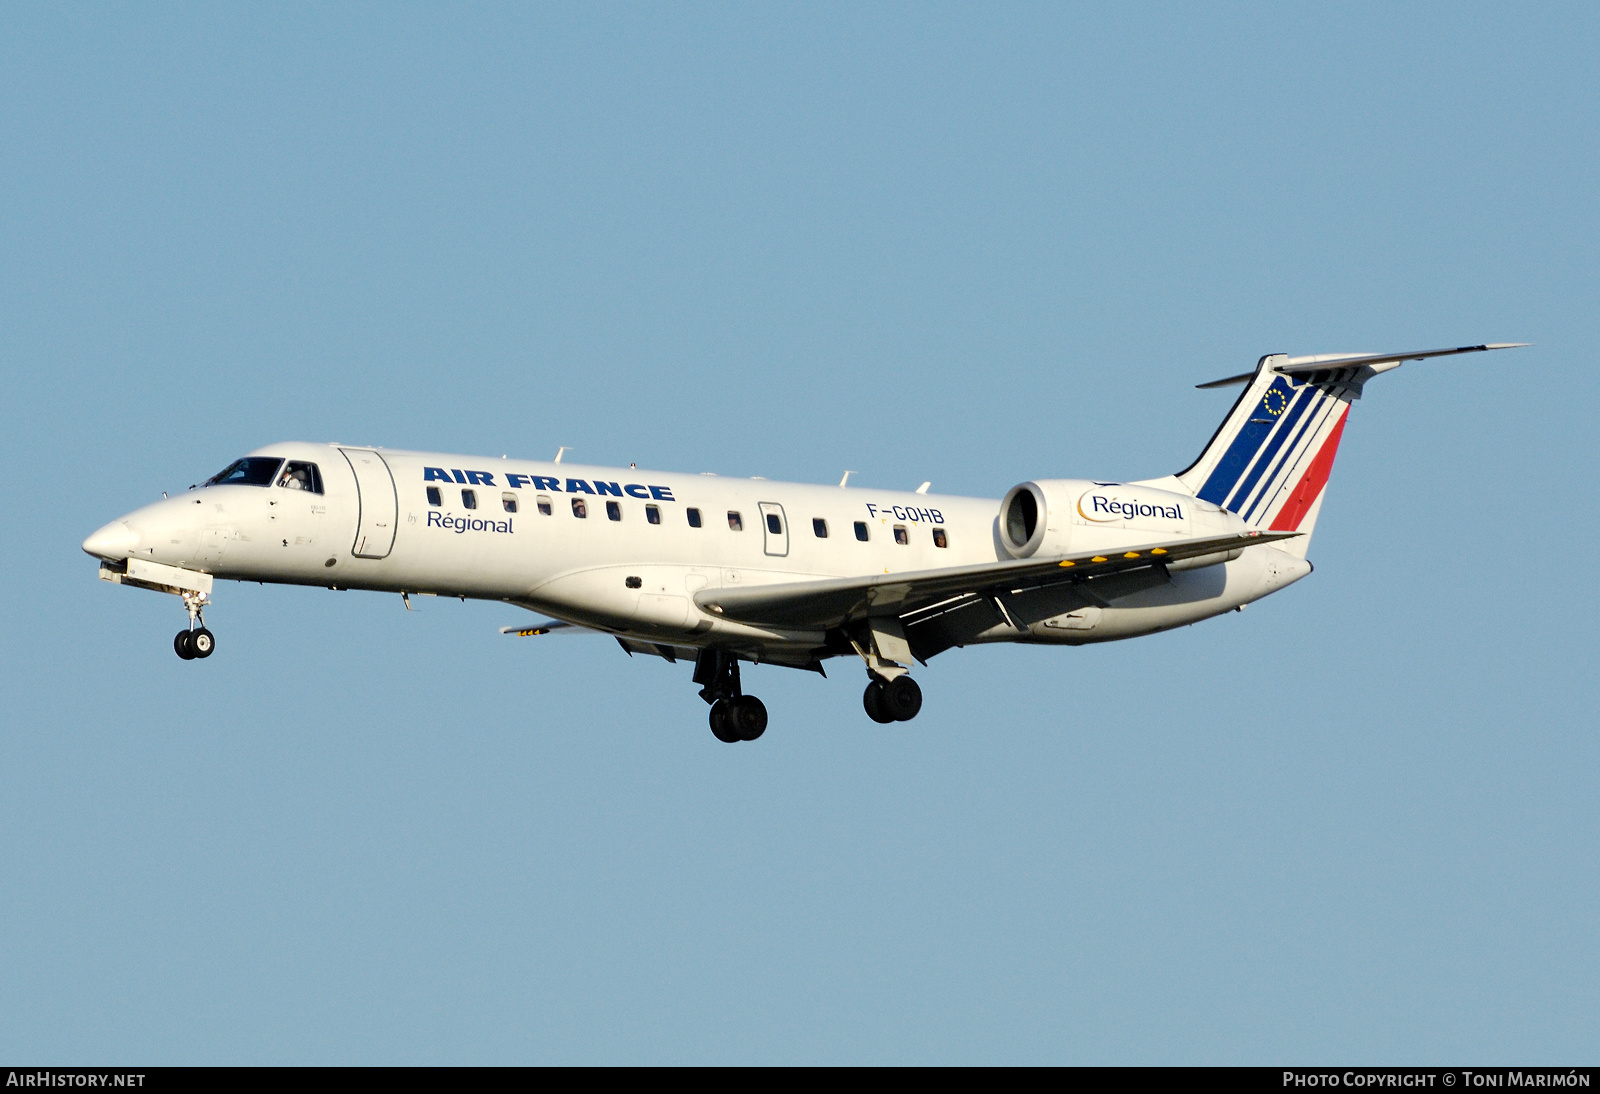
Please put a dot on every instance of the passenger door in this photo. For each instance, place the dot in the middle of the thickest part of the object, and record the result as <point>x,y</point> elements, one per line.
<point>775,528</point>
<point>379,504</point>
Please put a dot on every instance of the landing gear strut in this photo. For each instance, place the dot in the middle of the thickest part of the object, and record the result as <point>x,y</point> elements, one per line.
<point>734,716</point>
<point>196,641</point>
<point>891,695</point>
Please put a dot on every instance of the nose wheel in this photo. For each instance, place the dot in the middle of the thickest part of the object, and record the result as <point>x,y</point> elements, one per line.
<point>195,641</point>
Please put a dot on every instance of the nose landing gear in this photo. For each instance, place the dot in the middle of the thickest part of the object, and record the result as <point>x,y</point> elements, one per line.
<point>196,641</point>
<point>734,716</point>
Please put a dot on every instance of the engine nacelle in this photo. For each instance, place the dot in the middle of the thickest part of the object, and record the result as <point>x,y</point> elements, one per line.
<point>1067,516</point>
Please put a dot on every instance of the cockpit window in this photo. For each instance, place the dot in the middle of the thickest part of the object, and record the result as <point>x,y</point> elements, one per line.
<point>250,471</point>
<point>301,476</point>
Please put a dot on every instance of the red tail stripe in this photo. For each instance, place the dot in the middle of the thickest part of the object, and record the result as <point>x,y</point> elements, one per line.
<point>1311,483</point>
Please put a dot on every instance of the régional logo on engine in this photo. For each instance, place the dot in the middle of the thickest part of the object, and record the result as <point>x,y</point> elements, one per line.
<point>1102,509</point>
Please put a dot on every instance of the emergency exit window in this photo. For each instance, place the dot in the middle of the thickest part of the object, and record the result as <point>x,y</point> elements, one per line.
<point>901,536</point>
<point>508,501</point>
<point>861,530</point>
<point>469,499</point>
<point>434,498</point>
<point>774,525</point>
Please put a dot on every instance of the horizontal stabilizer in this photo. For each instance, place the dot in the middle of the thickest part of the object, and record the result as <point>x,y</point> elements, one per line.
<point>833,601</point>
<point>1299,366</point>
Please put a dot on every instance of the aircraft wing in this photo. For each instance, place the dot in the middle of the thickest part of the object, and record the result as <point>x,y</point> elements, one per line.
<point>831,602</point>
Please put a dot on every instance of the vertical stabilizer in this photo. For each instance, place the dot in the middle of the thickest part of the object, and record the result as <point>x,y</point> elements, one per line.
<point>1270,460</point>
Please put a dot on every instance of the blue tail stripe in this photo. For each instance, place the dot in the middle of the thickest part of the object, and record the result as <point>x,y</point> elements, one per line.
<point>1237,459</point>
<point>1309,425</point>
<point>1302,399</point>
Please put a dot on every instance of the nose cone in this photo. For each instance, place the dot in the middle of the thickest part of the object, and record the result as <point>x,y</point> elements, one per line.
<point>115,541</point>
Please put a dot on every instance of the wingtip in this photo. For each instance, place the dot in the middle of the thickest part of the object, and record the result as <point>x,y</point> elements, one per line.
<point>1506,345</point>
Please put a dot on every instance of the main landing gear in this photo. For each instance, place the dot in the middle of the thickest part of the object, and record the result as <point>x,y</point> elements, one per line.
<point>897,700</point>
<point>891,695</point>
<point>734,716</point>
<point>196,641</point>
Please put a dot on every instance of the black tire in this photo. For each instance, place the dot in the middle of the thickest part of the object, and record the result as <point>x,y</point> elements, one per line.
<point>722,727</point>
<point>202,642</point>
<point>181,645</point>
<point>875,703</point>
<point>749,717</point>
<point>902,698</point>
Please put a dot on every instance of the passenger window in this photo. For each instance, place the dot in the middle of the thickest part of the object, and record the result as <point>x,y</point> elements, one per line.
<point>652,513</point>
<point>734,522</point>
<point>509,501</point>
<point>861,530</point>
<point>579,509</point>
<point>694,518</point>
<point>774,525</point>
<point>819,526</point>
<point>543,502</point>
<point>434,497</point>
<point>301,476</point>
<point>613,510</point>
<point>469,499</point>
<point>938,538</point>
<point>901,536</point>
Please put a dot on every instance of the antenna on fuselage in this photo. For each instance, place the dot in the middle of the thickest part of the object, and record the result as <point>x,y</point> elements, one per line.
<point>562,451</point>
<point>846,480</point>
<point>923,489</point>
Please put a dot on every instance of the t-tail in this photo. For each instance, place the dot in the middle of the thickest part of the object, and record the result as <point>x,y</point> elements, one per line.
<point>1270,460</point>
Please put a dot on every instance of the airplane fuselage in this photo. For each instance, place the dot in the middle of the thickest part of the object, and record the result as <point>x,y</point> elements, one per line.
<point>625,551</point>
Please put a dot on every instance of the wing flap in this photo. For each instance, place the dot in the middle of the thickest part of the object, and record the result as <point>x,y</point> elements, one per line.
<point>831,602</point>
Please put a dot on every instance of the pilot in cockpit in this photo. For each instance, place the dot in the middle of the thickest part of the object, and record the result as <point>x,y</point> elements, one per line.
<point>295,476</point>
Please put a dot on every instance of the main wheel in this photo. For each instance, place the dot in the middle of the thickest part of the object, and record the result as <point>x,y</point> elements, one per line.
<point>903,698</point>
<point>722,727</point>
<point>875,703</point>
<point>202,642</point>
<point>749,715</point>
<point>182,645</point>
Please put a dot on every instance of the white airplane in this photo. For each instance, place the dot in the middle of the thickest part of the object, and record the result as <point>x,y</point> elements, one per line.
<point>717,571</point>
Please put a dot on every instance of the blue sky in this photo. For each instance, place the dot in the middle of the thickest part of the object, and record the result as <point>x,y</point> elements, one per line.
<point>975,245</point>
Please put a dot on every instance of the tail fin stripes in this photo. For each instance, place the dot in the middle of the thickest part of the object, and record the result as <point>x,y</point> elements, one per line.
<point>1310,486</point>
<point>1271,459</point>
